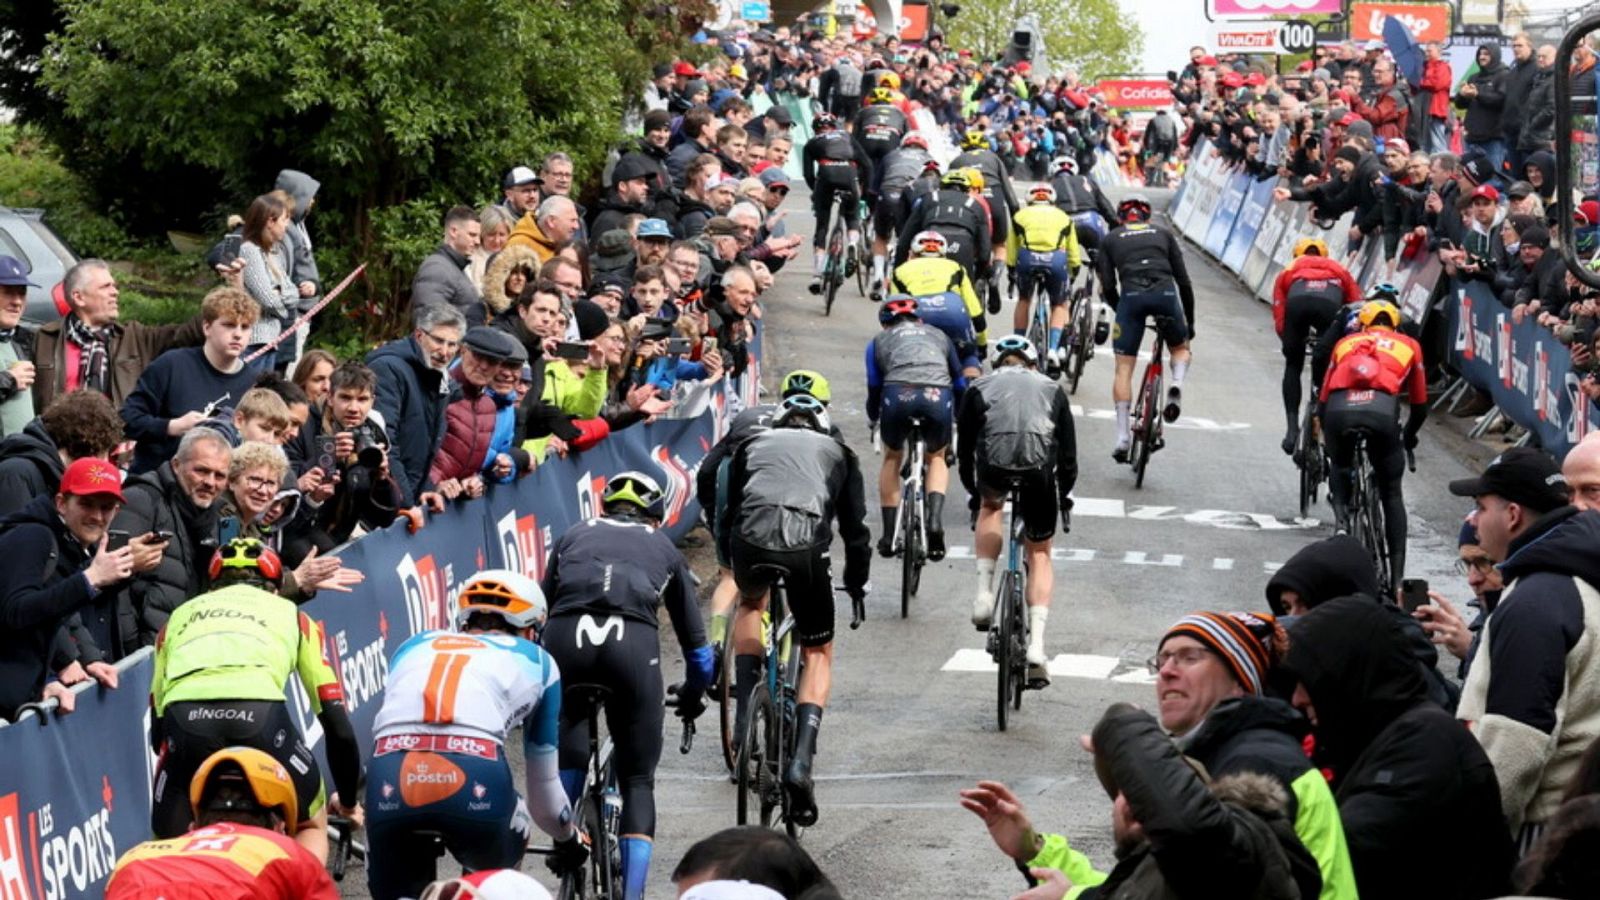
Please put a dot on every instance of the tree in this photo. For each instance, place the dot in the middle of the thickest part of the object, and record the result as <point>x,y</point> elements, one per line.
<point>1092,36</point>
<point>401,108</point>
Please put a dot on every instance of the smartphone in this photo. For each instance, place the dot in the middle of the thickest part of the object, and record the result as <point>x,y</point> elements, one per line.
<point>116,539</point>
<point>230,247</point>
<point>679,346</point>
<point>572,351</point>
<point>163,537</point>
<point>227,529</point>
<point>708,346</point>
<point>1413,593</point>
<point>327,454</point>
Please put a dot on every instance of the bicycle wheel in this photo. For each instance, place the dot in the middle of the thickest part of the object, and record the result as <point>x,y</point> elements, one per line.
<point>783,741</point>
<point>1017,611</point>
<point>910,551</point>
<point>1004,623</point>
<point>1378,535</point>
<point>1038,332</point>
<point>725,706</point>
<point>1146,428</point>
<point>864,256</point>
<point>760,790</point>
<point>575,886</point>
<point>1082,340</point>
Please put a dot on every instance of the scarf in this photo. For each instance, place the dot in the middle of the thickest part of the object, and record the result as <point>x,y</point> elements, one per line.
<point>94,344</point>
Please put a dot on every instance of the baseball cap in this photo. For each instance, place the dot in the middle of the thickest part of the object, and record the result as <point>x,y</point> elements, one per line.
<point>722,226</point>
<point>1587,213</point>
<point>12,274</point>
<point>687,70</point>
<point>780,114</point>
<point>492,343</point>
<point>1475,165</point>
<point>653,228</point>
<point>1486,191</point>
<point>1208,61</point>
<point>90,476</point>
<point>1255,79</point>
<point>774,176</point>
<point>1349,119</point>
<point>1375,45</point>
<point>521,175</point>
<point>1521,475</point>
<point>632,167</point>
<point>1519,189</point>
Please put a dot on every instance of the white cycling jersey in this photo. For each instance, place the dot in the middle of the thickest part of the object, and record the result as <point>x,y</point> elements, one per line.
<point>471,685</point>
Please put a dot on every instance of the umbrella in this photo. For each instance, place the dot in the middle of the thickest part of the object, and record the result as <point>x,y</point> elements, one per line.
<point>1403,47</point>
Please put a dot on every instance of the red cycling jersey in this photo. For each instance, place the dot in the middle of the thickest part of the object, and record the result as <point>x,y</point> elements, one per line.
<point>1377,359</point>
<point>1324,277</point>
<point>221,862</point>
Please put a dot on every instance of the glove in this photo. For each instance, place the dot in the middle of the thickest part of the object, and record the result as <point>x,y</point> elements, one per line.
<point>1411,440</point>
<point>1066,515</point>
<point>691,705</point>
<point>994,300</point>
<point>569,855</point>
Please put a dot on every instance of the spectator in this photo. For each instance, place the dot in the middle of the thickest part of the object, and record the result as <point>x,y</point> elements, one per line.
<point>16,349</point>
<point>1230,838</point>
<point>179,498</point>
<point>694,206</point>
<point>1474,255</point>
<point>521,189</point>
<point>494,228</point>
<point>612,261</point>
<point>1433,99</point>
<point>1483,96</point>
<point>630,193</point>
<point>750,856</point>
<point>257,505</point>
<point>1410,783</point>
<point>699,137</point>
<point>184,387</point>
<point>472,417</point>
<point>547,229</point>
<point>1441,216</point>
<point>557,171</point>
<point>302,191</point>
<point>731,143</point>
<point>651,241</point>
<point>1518,89</point>
<point>1533,244</point>
<point>67,532</point>
<point>1441,619</point>
<point>659,87</point>
<point>729,308</point>
<point>90,349</point>
<point>261,415</point>
<point>312,375</point>
<point>442,277</point>
<point>653,149</point>
<point>512,270</point>
<point>1390,112</point>
<point>1538,126</point>
<point>76,426</point>
<point>1562,863</point>
<point>364,491</point>
<point>412,392</point>
<point>774,123</point>
<point>265,254</point>
<point>1531,697</point>
<point>1544,288</point>
<point>1539,168</point>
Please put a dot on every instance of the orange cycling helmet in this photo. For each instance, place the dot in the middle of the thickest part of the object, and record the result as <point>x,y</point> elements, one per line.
<point>262,777</point>
<point>1315,246</point>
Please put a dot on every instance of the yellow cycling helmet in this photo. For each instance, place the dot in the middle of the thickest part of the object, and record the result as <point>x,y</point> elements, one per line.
<point>1309,244</point>
<point>975,139</point>
<point>959,179</point>
<point>890,80</point>
<point>882,95</point>
<point>262,777</point>
<point>975,176</point>
<point>805,381</point>
<point>1374,310</point>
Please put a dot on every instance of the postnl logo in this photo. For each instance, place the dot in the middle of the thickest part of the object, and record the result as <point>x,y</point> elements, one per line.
<point>428,778</point>
<point>426,588</point>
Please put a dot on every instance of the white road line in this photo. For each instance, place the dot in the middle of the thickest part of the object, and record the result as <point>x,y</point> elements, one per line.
<point>1184,423</point>
<point>1065,665</point>
<point>964,553</point>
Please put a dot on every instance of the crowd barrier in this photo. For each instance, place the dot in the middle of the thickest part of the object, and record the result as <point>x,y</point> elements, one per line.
<point>75,793</point>
<point>1233,218</point>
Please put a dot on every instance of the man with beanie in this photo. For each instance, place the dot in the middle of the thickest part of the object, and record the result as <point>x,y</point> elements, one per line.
<point>1211,669</point>
<point>1532,696</point>
<point>1412,785</point>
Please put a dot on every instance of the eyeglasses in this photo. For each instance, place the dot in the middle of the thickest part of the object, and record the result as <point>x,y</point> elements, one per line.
<point>444,343</point>
<point>257,483</point>
<point>1186,657</point>
<point>1483,564</point>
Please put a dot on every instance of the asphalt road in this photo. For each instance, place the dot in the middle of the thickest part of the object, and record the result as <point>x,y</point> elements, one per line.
<point>912,715</point>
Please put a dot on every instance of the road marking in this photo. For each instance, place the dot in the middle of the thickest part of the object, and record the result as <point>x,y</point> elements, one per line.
<point>1123,557</point>
<point>1184,423</point>
<point>1222,564</point>
<point>1066,665</point>
<point>1234,520</point>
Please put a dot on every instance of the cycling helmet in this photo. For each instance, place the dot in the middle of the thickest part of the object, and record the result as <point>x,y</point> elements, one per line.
<point>261,777</point>
<point>959,179</point>
<point>1134,205</point>
<point>1065,164</point>
<point>487,884</point>
<point>1385,291</point>
<point>635,488</point>
<point>1042,193</point>
<point>931,165</point>
<point>975,139</point>
<point>249,555</point>
<point>1379,312</point>
<point>512,596</point>
<point>890,80</point>
<point>802,411</point>
<point>896,306</point>
<point>882,95</point>
<point>975,175</point>
<point>1316,246</point>
<point>805,381</point>
<point>914,139</point>
<point>824,121</point>
<point>930,243</point>
<point>1015,345</point>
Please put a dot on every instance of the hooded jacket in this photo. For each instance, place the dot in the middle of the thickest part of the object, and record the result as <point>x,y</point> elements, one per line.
<point>1484,110</point>
<point>411,399</point>
<point>1411,783</point>
<point>527,233</point>
<point>1539,117</point>
<point>442,278</point>
<point>1533,691</point>
<point>302,263</point>
<point>498,270</point>
<point>30,466</point>
<point>612,213</point>
<point>1311,268</point>
<point>1519,82</point>
<point>1545,162</point>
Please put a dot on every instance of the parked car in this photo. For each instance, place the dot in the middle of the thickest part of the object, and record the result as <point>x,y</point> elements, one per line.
<point>24,235</point>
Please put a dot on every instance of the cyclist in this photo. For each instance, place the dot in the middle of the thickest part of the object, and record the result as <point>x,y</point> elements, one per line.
<point>895,173</point>
<point>711,485</point>
<point>1306,298</point>
<point>1369,373</point>
<point>1043,240</point>
<point>222,663</point>
<point>945,299</point>
<point>1148,262</point>
<point>244,808</point>
<point>997,191</point>
<point>451,699</point>
<point>1080,197</point>
<point>834,162</point>
<point>1016,425</point>
<point>606,579</point>
<point>912,371</point>
<point>879,126</point>
<point>785,486</point>
<point>957,212</point>
<point>1348,321</point>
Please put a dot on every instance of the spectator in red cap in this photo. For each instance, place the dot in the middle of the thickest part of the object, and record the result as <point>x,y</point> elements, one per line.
<point>678,101</point>
<point>67,533</point>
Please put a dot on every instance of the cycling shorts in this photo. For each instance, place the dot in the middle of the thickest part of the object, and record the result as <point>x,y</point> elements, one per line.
<point>1090,227</point>
<point>808,584</point>
<point>886,216</point>
<point>832,178</point>
<point>1378,414</point>
<point>948,313</point>
<point>1038,496</point>
<point>1302,315</point>
<point>193,730</point>
<point>469,800</point>
<point>904,402</point>
<point>624,656</point>
<point>1050,266</point>
<point>1132,310</point>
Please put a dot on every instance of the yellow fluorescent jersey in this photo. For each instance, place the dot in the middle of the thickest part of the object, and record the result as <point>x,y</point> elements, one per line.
<point>1043,228</point>
<point>924,276</point>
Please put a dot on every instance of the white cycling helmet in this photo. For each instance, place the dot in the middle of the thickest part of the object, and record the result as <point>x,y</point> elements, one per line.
<point>512,596</point>
<point>1066,163</point>
<point>1042,193</point>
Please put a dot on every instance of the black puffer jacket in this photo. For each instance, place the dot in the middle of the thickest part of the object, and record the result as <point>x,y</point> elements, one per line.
<point>157,502</point>
<point>1412,783</point>
<point>1539,119</point>
<point>30,466</point>
<point>1484,110</point>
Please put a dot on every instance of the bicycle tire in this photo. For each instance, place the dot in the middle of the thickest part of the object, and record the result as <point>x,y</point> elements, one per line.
<point>725,707</point>
<point>1379,533</point>
<point>863,259</point>
<point>1082,335</point>
<point>1038,332</point>
<point>833,268</point>
<point>1004,622</point>
<point>758,776</point>
<point>1146,428</point>
<point>784,740</point>
<point>908,558</point>
<point>1018,610</point>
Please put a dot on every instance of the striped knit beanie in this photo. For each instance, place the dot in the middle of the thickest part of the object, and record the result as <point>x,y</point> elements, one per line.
<point>1249,643</point>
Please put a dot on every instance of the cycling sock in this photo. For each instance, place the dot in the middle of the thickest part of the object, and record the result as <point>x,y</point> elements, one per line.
<point>572,783</point>
<point>635,865</point>
<point>852,237</point>
<point>1036,619</point>
<point>986,576</point>
<point>1124,413</point>
<point>878,263</point>
<point>1180,368</point>
<point>819,259</point>
<point>807,720</point>
<point>719,627</point>
<point>1055,338</point>
<point>890,513</point>
<point>935,511</point>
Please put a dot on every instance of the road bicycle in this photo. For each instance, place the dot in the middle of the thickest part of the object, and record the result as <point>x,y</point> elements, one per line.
<point>911,529</point>
<point>1310,453</point>
<point>1008,634</point>
<point>1038,333</point>
<point>864,250</point>
<point>1079,338</point>
<point>1366,520</point>
<point>834,265</point>
<point>1146,418</point>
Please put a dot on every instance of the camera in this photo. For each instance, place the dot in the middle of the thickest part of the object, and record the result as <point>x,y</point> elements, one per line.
<point>369,445</point>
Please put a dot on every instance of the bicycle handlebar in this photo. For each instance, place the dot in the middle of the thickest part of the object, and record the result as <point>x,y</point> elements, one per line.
<point>687,743</point>
<point>858,605</point>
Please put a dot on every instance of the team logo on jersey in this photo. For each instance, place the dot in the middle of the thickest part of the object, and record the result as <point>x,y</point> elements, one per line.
<point>479,791</point>
<point>387,790</point>
<point>429,778</point>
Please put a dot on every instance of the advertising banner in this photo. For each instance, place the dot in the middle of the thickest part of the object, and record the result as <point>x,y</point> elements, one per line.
<point>1266,9</point>
<point>1257,198</point>
<point>1136,93</point>
<point>1426,21</point>
<point>914,22</point>
<point>1482,12</point>
<point>1259,259</point>
<point>1227,211</point>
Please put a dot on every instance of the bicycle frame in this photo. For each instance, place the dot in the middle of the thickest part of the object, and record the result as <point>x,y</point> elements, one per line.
<point>912,473</point>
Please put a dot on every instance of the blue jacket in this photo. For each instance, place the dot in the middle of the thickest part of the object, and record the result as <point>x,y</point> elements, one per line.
<point>411,399</point>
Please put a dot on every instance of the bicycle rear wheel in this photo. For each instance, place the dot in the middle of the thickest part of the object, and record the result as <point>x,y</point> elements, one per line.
<point>833,271</point>
<point>760,789</point>
<point>1082,336</point>
<point>1377,538</point>
<point>1038,332</point>
<point>725,706</point>
<point>1002,655</point>
<point>910,551</point>
<point>1017,611</point>
<point>864,255</point>
<point>1146,428</point>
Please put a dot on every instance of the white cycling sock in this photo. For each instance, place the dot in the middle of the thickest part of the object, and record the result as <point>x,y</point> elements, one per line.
<point>986,575</point>
<point>878,263</point>
<point>819,259</point>
<point>1180,368</point>
<point>1124,429</point>
<point>1036,619</point>
<point>852,237</point>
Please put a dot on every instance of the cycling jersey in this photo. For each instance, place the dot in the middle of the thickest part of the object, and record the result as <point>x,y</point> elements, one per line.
<point>996,181</point>
<point>1017,424</point>
<point>900,168</point>
<point>911,353</point>
<point>471,685</point>
<point>1312,277</point>
<point>1043,229</point>
<point>785,488</point>
<point>960,218</point>
<point>225,861</point>
<point>621,566</point>
<point>1146,259</point>
<point>1377,359</point>
<point>879,128</point>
